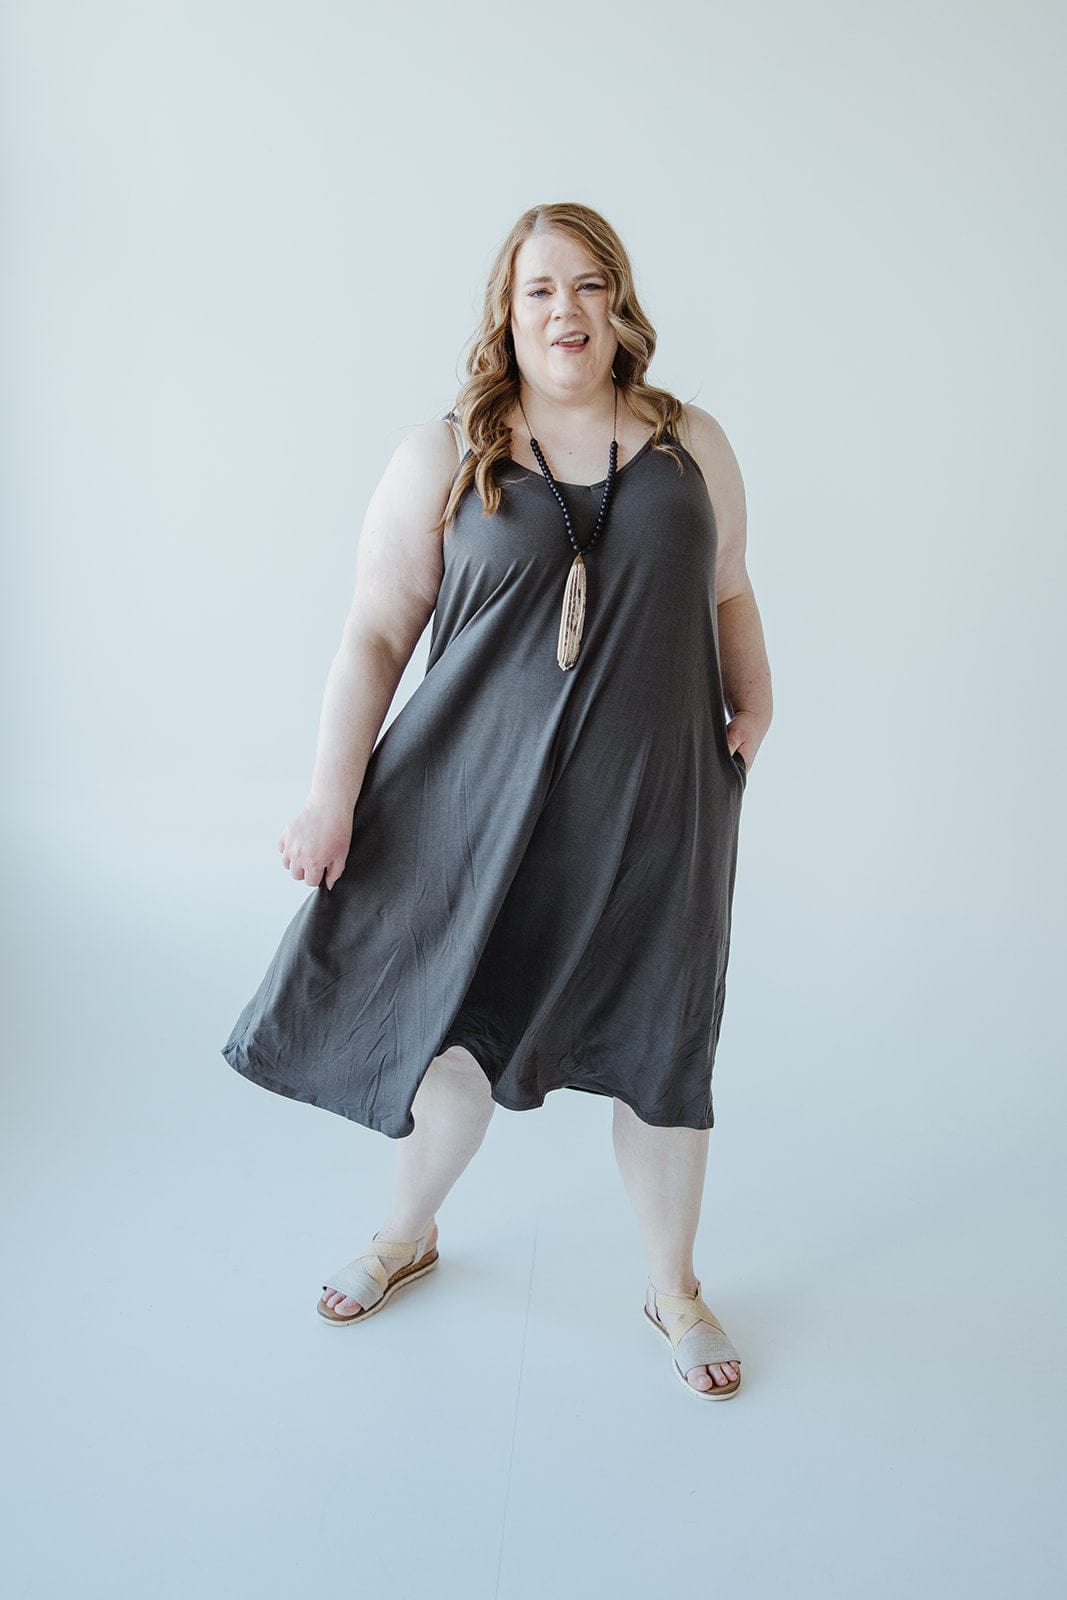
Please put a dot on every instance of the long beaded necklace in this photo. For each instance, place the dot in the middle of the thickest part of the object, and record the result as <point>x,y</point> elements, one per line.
<point>572,619</point>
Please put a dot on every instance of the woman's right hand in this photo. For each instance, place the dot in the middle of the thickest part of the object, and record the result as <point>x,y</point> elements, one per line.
<point>316,842</point>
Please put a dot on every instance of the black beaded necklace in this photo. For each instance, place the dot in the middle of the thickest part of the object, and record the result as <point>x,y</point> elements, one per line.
<point>572,620</point>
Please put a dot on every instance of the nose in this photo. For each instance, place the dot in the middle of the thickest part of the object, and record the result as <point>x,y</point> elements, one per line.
<point>566,300</point>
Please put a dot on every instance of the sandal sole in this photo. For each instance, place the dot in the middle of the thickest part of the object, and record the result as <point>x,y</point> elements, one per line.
<point>397,1281</point>
<point>717,1393</point>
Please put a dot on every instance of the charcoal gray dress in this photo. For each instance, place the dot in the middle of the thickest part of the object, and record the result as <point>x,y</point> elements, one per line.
<point>542,861</point>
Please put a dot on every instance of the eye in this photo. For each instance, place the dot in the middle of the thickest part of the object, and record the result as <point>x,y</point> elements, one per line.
<point>588,284</point>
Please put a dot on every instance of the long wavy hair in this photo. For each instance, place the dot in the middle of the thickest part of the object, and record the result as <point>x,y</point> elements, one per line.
<point>492,388</point>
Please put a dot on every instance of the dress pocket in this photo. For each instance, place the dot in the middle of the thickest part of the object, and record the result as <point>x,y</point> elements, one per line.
<point>739,762</point>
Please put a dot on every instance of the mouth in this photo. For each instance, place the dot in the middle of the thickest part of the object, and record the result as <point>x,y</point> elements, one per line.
<point>572,341</point>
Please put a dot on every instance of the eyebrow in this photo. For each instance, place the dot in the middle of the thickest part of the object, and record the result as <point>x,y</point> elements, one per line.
<point>594,272</point>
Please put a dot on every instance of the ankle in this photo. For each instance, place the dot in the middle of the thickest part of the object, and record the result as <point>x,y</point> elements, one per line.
<point>687,1287</point>
<point>390,1232</point>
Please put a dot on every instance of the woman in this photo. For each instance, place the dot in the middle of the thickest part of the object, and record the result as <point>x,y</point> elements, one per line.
<point>527,883</point>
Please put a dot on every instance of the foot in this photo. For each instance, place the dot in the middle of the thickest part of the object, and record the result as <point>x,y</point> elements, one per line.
<point>346,1307</point>
<point>716,1375</point>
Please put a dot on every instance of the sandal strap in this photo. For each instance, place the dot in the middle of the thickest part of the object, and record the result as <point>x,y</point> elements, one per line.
<point>365,1281</point>
<point>705,1337</point>
<point>394,1247</point>
<point>365,1277</point>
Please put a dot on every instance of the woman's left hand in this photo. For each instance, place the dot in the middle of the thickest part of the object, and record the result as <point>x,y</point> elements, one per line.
<point>745,732</point>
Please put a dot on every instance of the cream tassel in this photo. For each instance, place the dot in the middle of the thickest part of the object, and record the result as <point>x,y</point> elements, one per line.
<point>572,620</point>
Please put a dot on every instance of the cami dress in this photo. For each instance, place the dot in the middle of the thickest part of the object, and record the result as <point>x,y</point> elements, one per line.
<point>542,861</point>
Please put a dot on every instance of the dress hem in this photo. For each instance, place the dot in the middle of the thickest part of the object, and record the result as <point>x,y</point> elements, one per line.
<point>241,1061</point>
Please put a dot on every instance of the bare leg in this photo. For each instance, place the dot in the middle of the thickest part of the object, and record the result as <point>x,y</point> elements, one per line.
<point>663,1173</point>
<point>452,1110</point>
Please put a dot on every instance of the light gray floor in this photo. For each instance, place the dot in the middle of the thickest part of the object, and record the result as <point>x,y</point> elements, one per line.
<point>177,1417</point>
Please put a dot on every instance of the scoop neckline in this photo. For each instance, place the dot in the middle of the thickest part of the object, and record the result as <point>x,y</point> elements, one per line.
<point>535,472</point>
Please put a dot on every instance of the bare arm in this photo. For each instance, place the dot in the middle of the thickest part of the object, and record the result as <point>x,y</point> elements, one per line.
<point>746,671</point>
<point>399,566</point>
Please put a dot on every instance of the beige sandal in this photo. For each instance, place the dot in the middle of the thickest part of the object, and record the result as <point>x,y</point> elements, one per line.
<point>695,1343</point>
<point>365,1278</point>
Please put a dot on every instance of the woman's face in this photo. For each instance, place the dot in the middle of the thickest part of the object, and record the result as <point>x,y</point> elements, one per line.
<point>558,290</point>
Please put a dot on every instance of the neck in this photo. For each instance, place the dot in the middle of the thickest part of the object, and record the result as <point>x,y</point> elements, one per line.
<point>569,413</point>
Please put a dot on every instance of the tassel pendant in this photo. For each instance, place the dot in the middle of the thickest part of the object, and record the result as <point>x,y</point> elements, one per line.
<point>572,620</point>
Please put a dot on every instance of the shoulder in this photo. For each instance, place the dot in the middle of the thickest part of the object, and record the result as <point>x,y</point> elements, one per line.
<point>414,487</point>
<point>432,448</point>
<point>708,443</point>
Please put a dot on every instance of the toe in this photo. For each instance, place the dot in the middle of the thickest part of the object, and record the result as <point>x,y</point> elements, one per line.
<point>699,1378</point>
<point>341,1303</point>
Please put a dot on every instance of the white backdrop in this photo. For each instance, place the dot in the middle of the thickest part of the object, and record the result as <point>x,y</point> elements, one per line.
<point>243,254</point>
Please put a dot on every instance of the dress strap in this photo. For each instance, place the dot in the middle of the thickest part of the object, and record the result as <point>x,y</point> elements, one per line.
<point>457,429</point>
